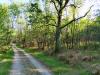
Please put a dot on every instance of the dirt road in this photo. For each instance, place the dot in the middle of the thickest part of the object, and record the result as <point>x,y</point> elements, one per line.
<point>25,64</point>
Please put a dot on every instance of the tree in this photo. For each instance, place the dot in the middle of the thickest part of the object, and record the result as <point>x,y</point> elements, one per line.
<point>14,12</point>
<point>59,6</point>
<point>40,22</point>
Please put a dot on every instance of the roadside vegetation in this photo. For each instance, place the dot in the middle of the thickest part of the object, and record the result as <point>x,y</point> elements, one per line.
<point>6,61</point>
<point>6,52</point>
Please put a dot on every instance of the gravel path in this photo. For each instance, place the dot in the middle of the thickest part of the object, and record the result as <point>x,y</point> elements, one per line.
<point>25,64</point>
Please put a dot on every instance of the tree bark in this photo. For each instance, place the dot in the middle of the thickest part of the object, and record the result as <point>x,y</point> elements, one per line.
<point>57,40</point>
<point>58,31</point>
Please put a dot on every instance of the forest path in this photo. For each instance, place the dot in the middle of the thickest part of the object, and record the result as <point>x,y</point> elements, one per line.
<point>25,64</point>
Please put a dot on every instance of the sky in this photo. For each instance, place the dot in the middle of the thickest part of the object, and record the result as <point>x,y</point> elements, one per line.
<point>9,1</point>
<point>88,4</point>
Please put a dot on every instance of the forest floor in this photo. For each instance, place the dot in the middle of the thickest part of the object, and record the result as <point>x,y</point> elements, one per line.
<point>25,64</point>
<point>58,67</point>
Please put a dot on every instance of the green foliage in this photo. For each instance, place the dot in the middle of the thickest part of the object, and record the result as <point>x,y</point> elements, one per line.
<point>6,61</point>
<point>35,13</point>
<point>5,31</point>
<point>14,9</point>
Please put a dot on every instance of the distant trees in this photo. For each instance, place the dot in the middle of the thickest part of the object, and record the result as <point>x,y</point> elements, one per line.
<point>49,29</point>
<point>40,25</point>
<point>52,30</point>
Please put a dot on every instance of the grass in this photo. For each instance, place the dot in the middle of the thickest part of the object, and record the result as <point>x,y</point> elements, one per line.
<point>56,66</point>
<point>5,62</point>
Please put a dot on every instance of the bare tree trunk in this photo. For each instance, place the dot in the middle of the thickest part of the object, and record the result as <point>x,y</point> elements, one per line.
<point>58,31</point>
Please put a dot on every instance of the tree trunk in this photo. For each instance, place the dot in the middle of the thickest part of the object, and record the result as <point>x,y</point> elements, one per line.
<point>57,40</point>
<point>58,31</point>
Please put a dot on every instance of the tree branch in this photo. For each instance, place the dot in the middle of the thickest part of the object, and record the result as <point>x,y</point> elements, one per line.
<point>55,5</point>
<point>73,5</point>
<point>58,1</point>
<point>51,25</point>
<point>66,2</point>
<point>77,18</point>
